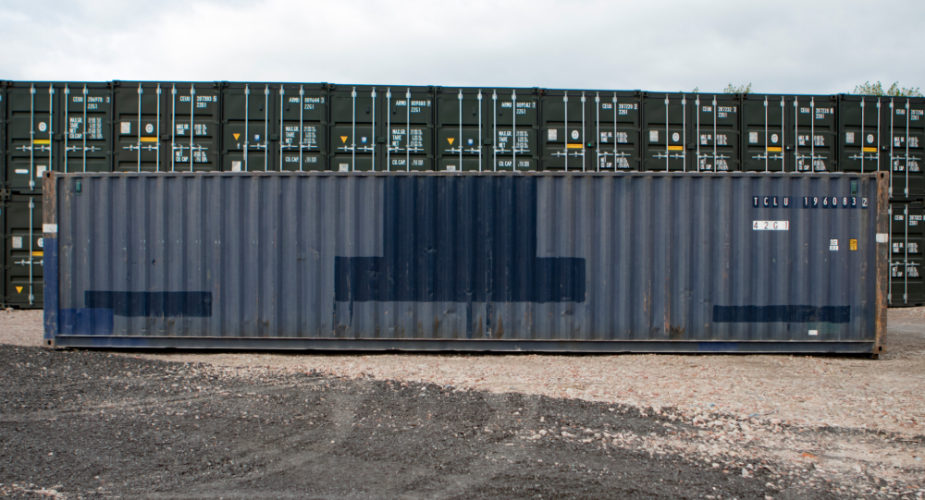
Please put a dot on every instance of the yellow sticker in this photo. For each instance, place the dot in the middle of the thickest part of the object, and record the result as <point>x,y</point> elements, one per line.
<point>774,149</point>
<point>41,141</point>
<point>343,139</point>
<point>450,140</point>
<point>148,139</point>
<point>675,148</point>
<point>853,244</point>
<point>236,135</point>
<point>869,150</point>
<point>18,289</point>
<point>573,146</point>
<point>38,253</point>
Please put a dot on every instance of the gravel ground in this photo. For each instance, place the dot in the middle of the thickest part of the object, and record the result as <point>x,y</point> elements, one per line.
<point>646,425</point>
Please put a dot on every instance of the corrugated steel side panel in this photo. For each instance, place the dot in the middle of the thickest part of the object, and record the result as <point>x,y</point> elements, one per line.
<point>496,261</point>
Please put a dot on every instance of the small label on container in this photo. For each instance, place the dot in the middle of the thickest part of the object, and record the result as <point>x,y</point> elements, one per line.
<point>883,238</point>
<point>451,168</point>
<point>771,225</point>
<point>125,127</point>
<point>552,134</point>
<point>343,167</point>
<point>833,245</point>
<point>22,171</point>
<point>853,244</point>
<point>813,333</point>
<point>236,166</point>
<point>50,228</point>
<point>17,243</point>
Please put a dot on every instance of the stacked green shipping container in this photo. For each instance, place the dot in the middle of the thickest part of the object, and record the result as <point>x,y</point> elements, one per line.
<point>221,126</point>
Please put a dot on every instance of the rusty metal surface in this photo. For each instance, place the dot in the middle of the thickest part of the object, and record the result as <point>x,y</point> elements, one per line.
<point>546,261</point>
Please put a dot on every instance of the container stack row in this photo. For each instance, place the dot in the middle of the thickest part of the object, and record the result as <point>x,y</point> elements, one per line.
<point>249,126</point>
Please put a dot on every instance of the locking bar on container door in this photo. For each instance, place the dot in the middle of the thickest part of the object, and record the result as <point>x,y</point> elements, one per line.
<point>31,250</point>
<point>282,131</point>
<point>514,132</point>
<point>565,130</point>
<point>615,135</point>
<point>494,137</point>
<point>408,129</point>
<point>388,129</point>
<point>892,132</point>
<point>683,133</point>
<point>302,124</point>
<point>479,139</point>
<point>906,159</point>
<point>138,126</point>
<point>889,293</point>
<point>582,144</point>
<point>51,141</point>
<point>862,134</point>
<point>192,124</point>
<point>247,108</point>
<point>67,123</point>
<point>597,127</point>
<point>353,129</point>
<point>767,149</point>
<point>796,134</point>
<point>266,129</point>
<point>460,145</point>
<point>906,227</point>
<point>715,150</point>
<point>372,154</point>
<point>173,128</point>
<point>667,134</point>
<point>812,134</point>
<point>783,137</point>
<point>83,132</point>
<point>157,132</point>
<point>697,131</point>
<point>879,135</point>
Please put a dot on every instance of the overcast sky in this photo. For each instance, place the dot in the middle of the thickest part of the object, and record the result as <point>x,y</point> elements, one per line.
<point>780,46</point>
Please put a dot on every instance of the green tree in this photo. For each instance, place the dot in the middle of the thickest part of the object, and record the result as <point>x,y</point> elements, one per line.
<point>894,90</point>
<point>743,88</point>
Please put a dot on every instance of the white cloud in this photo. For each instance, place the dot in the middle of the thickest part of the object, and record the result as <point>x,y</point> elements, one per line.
<point>783,46</point>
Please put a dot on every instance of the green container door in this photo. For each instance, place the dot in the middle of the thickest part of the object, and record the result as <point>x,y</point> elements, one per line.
<point>246,119</point>
<point>32,122</point>
<point>87,137</point>
<point>906,132</point>
<point>141,126</point>
<point>665,132</point>
<point>813,129</point>
<point>194,110</point>
<point>616,131</point>
<point>861,134</point>
<point>409,127</point>
<point>357,138</point>
<point>715,132</point>
<point>514,123</point>
<point>764,134</point>
<point>463,130</point>
<point>566,123</point>
<point>24,252</point>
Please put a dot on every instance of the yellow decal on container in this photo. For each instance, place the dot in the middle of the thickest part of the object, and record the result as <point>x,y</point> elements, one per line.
<point>41,141</point>
<point>236,135</point>
<point>38,253</point>
<point>774,149</point>
<point>870,149</point>
<point>450,140</point>
<point>573,146</point>
<point>148,139</point>
<point>18,289</point>
<point>675,148</point>
<point>343,139</point>
<point>853,245</point>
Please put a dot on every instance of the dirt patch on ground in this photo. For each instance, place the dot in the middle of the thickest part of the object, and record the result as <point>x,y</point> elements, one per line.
<point>520,425</point>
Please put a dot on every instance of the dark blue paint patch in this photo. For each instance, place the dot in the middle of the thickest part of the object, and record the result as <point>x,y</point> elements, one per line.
<point>85,321</point>
<point>460,239</point>
<point>717,346</point>
<point>151,304</point>
<point>781,314</point>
